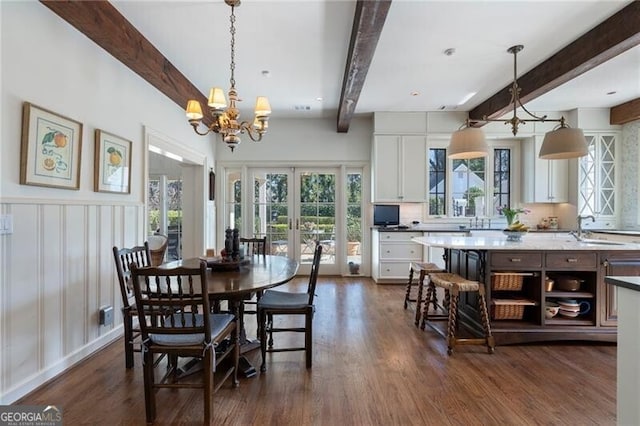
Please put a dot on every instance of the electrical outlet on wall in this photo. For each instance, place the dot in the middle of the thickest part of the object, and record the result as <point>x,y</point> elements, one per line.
<point>106,315</point>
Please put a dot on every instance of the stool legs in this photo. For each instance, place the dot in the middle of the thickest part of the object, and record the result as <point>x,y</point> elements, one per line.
<point>482,301</point>
<point>419,297</point>
<point>407,297</point>
<point>453,316</point>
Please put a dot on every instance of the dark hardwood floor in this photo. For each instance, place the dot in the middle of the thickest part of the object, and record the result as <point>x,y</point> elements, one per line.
<point>371,366</point>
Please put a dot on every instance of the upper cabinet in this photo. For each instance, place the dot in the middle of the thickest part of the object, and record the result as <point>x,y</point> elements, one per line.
<point>543,181</point>
<point>399,165</point>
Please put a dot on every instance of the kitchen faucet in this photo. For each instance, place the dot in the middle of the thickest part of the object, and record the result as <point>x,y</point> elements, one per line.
<point>579,233</point>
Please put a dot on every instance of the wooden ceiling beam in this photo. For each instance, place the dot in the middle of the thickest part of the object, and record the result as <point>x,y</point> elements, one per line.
<point>625,113</point>
<point>103,24</point>
<point>368,22</point>
<point>615,35</point>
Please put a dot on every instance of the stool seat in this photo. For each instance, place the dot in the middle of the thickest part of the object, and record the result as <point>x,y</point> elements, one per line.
<point>447,280</point>
<point>454,285</point>
<point>423,269</point>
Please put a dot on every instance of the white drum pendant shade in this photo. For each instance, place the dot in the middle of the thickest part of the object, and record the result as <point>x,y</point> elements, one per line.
<point>468,143</point>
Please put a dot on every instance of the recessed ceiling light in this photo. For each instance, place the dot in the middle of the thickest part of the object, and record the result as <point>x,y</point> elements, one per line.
<point>415,93</point>
<point>266,73</point>
<point>319,99</point>
<point>450,51</point>
<point>613,92</point>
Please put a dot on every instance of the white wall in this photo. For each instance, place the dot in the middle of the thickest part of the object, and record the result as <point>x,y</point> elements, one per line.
<point>56,269</point>
<point>304,140</point>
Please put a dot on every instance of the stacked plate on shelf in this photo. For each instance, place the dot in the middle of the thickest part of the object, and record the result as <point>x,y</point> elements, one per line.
<point>571,308</point>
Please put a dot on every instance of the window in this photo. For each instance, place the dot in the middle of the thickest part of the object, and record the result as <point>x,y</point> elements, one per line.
<point>472,187</point>
<point>467,187</point>
<point>501,178</point>
<point>437,181</point>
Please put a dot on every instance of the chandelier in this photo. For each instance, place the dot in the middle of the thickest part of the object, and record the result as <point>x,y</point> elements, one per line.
<point>561,143</point>
<point>226,119</point>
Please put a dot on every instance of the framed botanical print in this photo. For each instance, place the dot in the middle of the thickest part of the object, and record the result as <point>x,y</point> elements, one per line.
<point>50,150</point>
<point>112,163</point>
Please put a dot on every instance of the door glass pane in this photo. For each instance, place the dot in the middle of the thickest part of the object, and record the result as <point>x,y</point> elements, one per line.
<point>317,215</point>
<point>174,219</point>
<point>233,204</point>
<point>270,210</point>
<point>354,220</point>
<point>153,206</point>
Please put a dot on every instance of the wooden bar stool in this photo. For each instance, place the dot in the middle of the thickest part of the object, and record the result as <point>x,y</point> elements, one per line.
<point>423,269</point>
<point>454,284</point>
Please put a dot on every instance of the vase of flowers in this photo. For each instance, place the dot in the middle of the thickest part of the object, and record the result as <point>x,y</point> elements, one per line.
<point>511,214</point>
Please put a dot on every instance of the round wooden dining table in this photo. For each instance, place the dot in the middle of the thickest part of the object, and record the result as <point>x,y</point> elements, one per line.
<point>256,273</point>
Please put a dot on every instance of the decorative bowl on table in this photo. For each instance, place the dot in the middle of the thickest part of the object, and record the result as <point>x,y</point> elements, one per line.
<point>218,263</point>
<point>513,235</point>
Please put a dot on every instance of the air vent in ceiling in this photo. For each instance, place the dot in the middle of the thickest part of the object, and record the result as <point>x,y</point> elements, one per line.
<point>302,107</point>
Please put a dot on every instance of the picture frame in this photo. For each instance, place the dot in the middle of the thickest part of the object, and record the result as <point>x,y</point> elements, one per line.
<point>50,150</point>
<point>112,168</point>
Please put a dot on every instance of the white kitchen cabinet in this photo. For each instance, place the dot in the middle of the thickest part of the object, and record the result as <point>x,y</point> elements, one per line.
<point>399,168</point>
<point>543,181</point>
<point>392,251</point>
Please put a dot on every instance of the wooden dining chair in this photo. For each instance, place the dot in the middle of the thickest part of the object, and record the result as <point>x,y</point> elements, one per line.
<point>274,302</point>
<point>175,320</point>
<point>123,257</point>
<point>253,247</point>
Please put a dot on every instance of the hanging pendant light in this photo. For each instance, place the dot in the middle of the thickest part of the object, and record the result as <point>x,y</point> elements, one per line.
<point>561,143</point>
<point>468,142</point>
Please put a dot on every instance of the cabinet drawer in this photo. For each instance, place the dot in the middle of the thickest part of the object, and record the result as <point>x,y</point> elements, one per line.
<point>571,260</point>
<point>515,260</point>
<point>398,236</point>
<point>394,270</point>
<point>408,251</point>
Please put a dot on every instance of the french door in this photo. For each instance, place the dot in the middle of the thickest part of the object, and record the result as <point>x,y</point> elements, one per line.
<point>297,209</point>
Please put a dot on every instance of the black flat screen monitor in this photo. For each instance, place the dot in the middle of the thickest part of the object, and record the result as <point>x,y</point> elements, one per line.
<point>386,215</point>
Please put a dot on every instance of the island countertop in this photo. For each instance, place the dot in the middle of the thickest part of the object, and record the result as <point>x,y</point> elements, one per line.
<point>528,242</point>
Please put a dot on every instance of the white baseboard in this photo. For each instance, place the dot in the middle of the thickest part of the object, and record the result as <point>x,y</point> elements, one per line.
<point>42,377</point>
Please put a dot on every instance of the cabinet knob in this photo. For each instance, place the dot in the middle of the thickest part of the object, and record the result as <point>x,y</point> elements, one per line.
<point>388,251</point>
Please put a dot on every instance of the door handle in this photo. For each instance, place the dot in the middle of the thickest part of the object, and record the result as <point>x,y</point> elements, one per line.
<point>297,224</point>
<point>290,224</point>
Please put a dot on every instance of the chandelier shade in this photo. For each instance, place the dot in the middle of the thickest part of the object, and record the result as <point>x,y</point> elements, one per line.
<point>560,143</point>
<point>467,143</point>
<point>226,118</point>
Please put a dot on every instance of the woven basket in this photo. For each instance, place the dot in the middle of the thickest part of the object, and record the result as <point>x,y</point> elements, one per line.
<point>507,312</point>
<point>507,309</point>
<point>506,281</point>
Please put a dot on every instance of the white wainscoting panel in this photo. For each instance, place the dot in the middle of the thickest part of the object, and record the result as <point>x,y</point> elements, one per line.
<point>56,272</point>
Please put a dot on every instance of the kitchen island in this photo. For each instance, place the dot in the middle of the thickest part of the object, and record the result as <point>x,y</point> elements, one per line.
<point>516,276</point>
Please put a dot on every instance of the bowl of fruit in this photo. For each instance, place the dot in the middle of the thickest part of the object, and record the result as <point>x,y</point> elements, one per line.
<point>515,231</point>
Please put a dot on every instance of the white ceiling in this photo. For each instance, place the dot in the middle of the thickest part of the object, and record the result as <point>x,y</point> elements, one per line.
<point>303,44</point>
